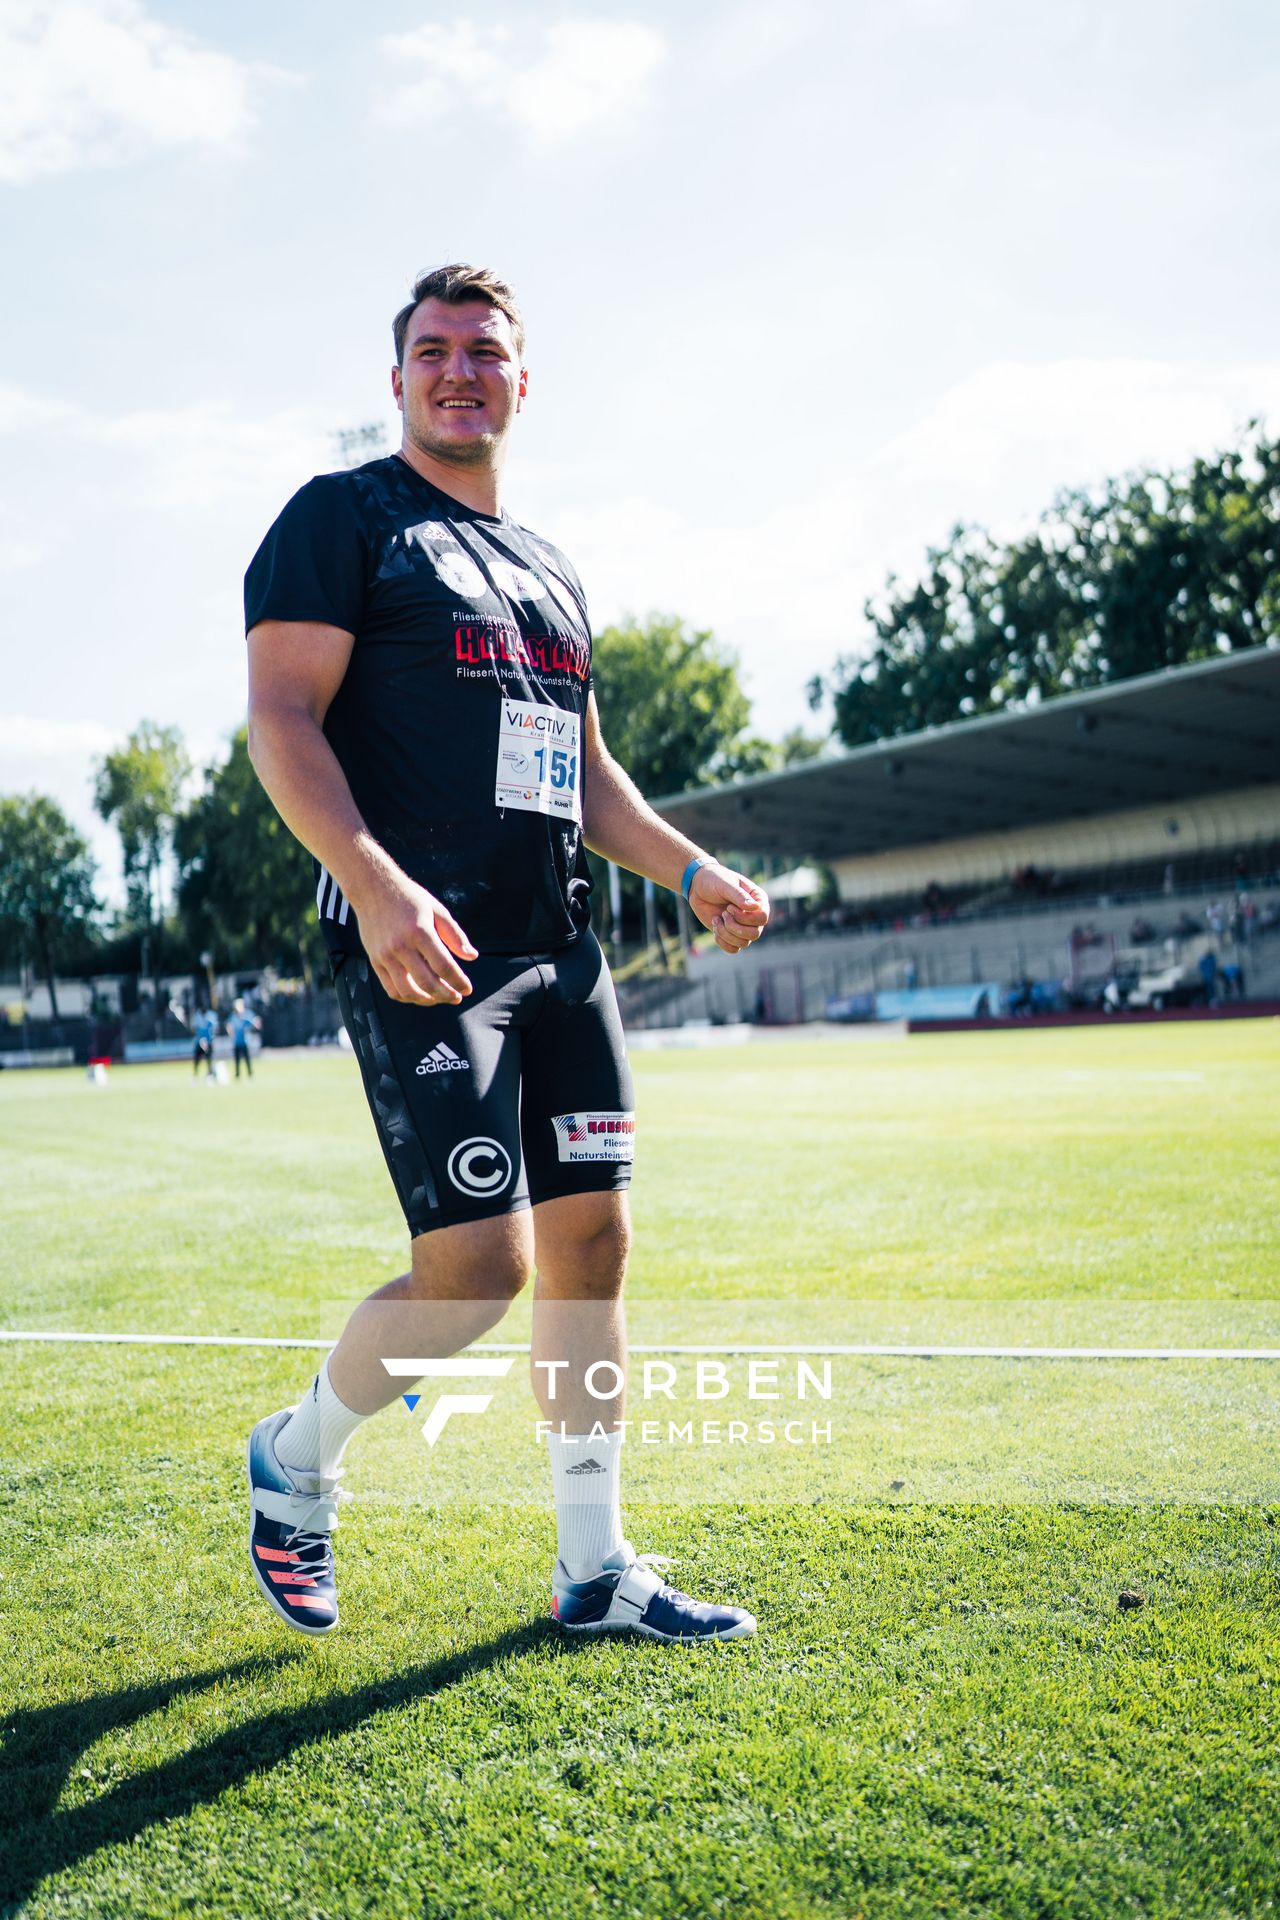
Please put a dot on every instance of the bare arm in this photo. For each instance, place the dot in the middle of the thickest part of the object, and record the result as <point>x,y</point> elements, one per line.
<point>620,824</point>
<point>295,669</point>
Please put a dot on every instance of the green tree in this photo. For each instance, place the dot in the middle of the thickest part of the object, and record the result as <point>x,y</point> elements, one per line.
<point>46,881</point>
<point>245,885</point>
<point>139,786</point>
<point>673,714</point>
<point>671,704</point>
<point>671,709</point>
<point>754,755</point>
<point>1149,571</point>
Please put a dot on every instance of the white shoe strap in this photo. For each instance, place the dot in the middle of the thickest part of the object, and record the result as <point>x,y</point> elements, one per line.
<point>634,1591</point>
<point>312,1512</point>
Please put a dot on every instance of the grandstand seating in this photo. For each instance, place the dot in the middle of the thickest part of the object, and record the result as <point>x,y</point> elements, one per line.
<point>789,976</point>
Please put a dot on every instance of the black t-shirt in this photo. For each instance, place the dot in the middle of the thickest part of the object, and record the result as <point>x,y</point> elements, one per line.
<point>459,722</point>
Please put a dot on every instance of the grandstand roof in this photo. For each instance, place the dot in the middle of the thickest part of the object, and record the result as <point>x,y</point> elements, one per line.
<point>1198,729</point>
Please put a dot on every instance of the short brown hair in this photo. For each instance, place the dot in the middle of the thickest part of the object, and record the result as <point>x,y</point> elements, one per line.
<point>454,285</point>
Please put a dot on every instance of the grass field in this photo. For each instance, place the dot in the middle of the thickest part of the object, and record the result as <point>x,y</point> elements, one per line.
<point>945,1711</point>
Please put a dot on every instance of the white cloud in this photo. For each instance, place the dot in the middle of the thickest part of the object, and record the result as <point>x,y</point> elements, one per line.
<point>91,83</point>
<point>173,458</point>
<point>786,587</point>
<point>574,74</point>
<point>1011,435</point>
<point>135,528</point>
<point>195,456</point>
<point>37,739</point>
<point>22,411</point>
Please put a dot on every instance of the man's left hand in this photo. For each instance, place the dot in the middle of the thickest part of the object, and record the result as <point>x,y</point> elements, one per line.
<point>734,908</point>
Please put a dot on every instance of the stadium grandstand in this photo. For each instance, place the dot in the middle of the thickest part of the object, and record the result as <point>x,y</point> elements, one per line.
<point>1080,855</point>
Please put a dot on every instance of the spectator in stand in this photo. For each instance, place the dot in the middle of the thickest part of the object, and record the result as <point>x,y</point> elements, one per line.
<point>1209,975</point>
<point>1232,979</point>
<point>1216,916</point>
<point>1018,997</point>
<point>1141,933</point>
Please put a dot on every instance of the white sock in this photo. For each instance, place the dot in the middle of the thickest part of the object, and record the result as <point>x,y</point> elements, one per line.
<point>584,1479</point>
<point>313,1439</point>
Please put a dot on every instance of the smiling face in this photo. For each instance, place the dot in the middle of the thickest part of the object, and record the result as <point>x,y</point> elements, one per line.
<point>461,383</point>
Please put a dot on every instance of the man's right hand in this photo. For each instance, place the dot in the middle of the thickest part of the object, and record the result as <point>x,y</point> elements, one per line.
<point>411,938</point>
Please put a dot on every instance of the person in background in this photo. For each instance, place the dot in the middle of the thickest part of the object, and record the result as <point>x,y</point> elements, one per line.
<point>205,1028</point>
<point>1209,975</point>
<point>242,1023</point>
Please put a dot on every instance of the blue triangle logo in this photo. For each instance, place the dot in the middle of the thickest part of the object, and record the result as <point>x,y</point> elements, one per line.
<point>411,1400</point>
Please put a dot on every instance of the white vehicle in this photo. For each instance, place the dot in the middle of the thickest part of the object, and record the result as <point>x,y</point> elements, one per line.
<point>1178,982</point>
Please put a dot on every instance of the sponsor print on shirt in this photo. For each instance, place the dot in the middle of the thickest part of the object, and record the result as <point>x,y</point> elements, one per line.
<point>595,1136</point>
<point>461,573</point>
<point>484,642</point>
<point>538,759</point>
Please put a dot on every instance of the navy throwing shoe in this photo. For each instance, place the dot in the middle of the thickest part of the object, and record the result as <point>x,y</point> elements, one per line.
<point>627,1596</point>
<point>291,1519</point>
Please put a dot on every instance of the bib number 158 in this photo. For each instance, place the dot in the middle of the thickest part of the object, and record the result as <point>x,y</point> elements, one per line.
<point>559,765</point>
<point>539,755</point>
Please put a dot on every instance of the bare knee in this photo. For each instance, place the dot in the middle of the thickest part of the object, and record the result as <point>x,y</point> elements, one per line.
<point>480,1260</point>
<point>582,1245</point>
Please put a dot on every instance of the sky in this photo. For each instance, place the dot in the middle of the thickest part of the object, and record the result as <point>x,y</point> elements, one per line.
<point>804,287</point>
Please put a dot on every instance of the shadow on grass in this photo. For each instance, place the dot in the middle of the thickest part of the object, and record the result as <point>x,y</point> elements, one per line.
<point>42,1744</point>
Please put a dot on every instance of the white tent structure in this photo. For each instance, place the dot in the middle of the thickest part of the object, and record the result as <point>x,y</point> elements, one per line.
<point>802,883</point>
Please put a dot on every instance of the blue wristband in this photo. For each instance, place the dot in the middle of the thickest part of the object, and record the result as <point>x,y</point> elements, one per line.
<point>686,878</point>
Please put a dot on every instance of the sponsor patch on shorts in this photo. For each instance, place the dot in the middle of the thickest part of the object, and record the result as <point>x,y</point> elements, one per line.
<point>595,1136</point>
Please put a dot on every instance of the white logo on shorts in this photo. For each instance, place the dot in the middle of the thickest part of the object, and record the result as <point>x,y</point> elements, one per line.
<point>479,1165</point>
<point>443,1059</point>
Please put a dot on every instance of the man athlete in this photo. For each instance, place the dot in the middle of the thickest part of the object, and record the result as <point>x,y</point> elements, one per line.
<point>421,714</point>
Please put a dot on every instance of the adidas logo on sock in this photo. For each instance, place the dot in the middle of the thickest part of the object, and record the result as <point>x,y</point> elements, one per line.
<point>586,1466</point>
<point>443,1059</point>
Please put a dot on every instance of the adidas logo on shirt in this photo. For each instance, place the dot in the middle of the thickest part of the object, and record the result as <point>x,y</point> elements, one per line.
<point>586,1466</point>
<point>443,1059</point>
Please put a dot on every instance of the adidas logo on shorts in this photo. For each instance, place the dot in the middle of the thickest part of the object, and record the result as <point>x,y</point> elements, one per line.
<point>443,1059</point>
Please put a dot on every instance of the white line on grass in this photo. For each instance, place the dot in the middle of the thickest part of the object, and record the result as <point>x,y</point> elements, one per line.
<point>932,1352</point>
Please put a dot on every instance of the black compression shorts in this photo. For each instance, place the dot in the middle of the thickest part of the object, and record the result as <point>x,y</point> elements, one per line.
<point>520,1094</point>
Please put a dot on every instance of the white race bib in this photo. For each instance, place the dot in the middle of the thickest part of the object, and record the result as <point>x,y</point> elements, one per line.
<point>539,760</point>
